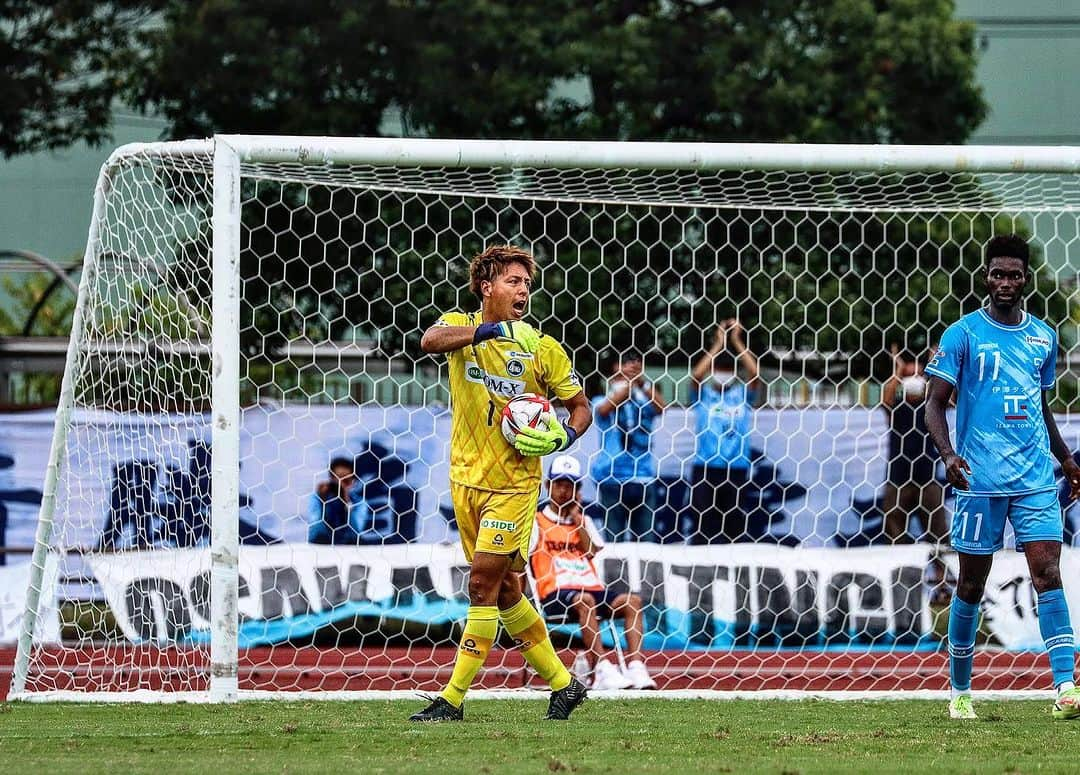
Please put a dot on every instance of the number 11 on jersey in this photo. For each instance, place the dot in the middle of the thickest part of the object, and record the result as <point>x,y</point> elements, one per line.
<point>981,358</point>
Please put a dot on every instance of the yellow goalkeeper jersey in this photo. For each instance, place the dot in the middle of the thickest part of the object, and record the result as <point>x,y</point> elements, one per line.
<point>483,378</point>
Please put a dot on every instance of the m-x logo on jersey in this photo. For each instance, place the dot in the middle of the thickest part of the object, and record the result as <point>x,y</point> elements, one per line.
<point>498,385</point>
<point>1014,408</point>
<point>503,387</point>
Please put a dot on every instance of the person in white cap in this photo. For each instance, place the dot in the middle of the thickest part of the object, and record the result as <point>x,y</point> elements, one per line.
<point>564,542</point>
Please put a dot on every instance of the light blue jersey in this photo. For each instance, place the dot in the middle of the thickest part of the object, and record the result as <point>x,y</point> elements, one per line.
<point>625,453</point>
<point>722,422</point>
<point>999,373</point>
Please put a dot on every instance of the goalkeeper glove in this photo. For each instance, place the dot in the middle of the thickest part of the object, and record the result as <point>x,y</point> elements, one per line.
<point>534,442</point>
<point>527,337</point>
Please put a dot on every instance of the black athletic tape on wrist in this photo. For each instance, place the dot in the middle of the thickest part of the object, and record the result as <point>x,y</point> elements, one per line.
<point>571,436</point>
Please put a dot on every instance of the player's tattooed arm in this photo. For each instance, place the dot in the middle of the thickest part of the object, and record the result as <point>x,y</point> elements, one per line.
<point>444,339</point>
<point>1060,450</point>
<point>580,413</point>
<point>938,427</point>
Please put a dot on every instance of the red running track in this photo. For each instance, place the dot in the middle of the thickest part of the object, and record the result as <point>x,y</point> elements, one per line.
<point>120,668</point>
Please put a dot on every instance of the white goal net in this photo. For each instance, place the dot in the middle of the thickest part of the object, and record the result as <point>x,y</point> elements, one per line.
<point>250,489</point>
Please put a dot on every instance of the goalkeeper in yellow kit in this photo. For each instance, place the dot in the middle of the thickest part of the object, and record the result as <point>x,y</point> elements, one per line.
<point>493,356</point>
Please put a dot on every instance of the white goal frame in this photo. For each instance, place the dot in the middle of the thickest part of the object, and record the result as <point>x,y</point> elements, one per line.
<point>231,151</point>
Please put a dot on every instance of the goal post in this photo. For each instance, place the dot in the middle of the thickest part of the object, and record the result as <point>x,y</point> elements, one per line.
<point>225,408</point>
<point>65,404</point>
<point>249,312</point>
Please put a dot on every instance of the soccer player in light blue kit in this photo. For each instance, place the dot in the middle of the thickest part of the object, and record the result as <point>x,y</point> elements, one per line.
<point>1000,361</point>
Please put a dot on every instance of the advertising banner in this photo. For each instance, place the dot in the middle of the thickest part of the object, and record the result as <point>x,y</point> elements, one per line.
<point>695,597</point>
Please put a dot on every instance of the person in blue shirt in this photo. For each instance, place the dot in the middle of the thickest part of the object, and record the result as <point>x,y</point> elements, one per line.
<point>1000,361</point>
<point>330,506</point>
<point>723,406</point>
<point>363,501</point>
<point>624,469</point>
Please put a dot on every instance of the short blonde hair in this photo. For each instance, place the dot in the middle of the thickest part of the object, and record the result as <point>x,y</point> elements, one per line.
<point>494,261</point>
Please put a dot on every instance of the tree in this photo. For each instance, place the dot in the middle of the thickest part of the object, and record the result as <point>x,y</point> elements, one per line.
<point>780,70</point>
<point>318,67</point>
<point>59,64</point>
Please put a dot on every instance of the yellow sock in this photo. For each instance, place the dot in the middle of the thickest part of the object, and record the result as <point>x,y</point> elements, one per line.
<point>529,632</point>
<point>481,627</point>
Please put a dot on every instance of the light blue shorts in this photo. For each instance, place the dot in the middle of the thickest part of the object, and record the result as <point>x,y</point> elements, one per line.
<point>978,523</point>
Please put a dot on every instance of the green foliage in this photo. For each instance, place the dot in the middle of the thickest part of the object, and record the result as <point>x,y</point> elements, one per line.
<point>59,61</point>
<point>144,310</point>
<point>320,67</point>
<point>26,293</point>
<point>23,294</point>
<point>788,70</point>
<point>783,70</point>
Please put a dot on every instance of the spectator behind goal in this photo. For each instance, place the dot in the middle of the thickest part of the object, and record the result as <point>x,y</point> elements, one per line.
<point>723,469</point>
<point>910,486</point>
<point>330,506</point>
<point>624,468</point>
<point>563,544</point>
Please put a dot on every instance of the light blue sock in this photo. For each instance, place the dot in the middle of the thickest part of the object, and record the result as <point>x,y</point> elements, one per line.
<point>963,624</point>
<point>1057,634</point>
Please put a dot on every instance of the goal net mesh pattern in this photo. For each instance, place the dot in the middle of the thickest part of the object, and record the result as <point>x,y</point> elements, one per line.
<point>832,278</point>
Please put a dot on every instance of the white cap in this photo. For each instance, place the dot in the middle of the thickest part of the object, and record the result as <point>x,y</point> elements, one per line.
<point>565,467</point>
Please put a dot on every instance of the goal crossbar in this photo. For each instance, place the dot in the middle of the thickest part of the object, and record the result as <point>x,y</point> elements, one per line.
<point>562,154</point>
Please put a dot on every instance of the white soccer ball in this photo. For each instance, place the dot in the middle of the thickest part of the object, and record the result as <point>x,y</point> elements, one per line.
<point>527,410</point>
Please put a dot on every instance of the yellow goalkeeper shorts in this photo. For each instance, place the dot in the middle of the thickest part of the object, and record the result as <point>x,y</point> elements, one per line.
<point>495,522</point>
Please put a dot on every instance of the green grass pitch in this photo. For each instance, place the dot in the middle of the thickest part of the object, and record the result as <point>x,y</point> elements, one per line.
<point>686,737</point>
